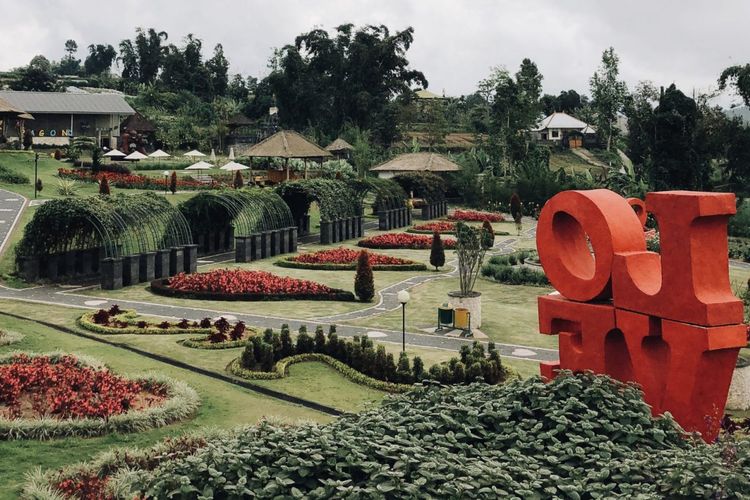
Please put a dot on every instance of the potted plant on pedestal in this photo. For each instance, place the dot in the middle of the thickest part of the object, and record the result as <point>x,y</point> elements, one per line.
<point>471,245</point>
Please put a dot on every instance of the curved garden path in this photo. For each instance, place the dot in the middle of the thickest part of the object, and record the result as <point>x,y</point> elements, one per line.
<point>11,207</point>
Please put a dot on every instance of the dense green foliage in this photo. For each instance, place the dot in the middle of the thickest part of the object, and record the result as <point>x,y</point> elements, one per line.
<point>9,176</point>
<point>389,194</point>
<point>577,437</point>
<point>510,269</point>
<point>335,198</point>
<point>425,185</point>
<point>437,252</point>
<point>364,281</point>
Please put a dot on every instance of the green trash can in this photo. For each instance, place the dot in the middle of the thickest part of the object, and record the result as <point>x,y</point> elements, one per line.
<point>445,316</point>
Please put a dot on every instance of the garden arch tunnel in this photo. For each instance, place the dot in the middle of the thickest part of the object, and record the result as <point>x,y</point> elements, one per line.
<point>254,222</point>
<point>121,239</point>
<point>340,207</point>
<point>428,187</point>
<point>389,202</point>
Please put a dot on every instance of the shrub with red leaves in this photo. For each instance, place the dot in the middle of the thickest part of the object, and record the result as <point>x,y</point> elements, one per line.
<point>183,323</point>
<point>63,388</point>
<point>242,281</point>
<point>436,227</point>
<point>84,487</point>
<point>403,240</point>
<point>343,255</point>
<point>476,216</point>
<point>238,331</point>
<point>101,317</point>
<point>205,323</point>
<point>141,324</point>
<point>115,310</point>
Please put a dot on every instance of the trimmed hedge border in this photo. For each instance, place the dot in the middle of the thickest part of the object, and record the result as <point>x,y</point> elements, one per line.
<point>213,346</point>
<point>281,370</point>
<point>8,338</point>
<point>86,322</point>
<point>160,287</point>
<point>182,402</point>
<point>347,267</point>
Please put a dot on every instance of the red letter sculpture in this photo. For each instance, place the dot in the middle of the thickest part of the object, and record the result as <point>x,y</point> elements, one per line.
<point>668,321</point>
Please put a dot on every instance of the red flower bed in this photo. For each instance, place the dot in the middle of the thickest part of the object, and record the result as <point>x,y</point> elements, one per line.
<point>348,256</point>
<point>476,216</point>
<point>63,388</point>
<point>403,240</point>
<point>431,227</point>
<point>242,284</point>
<point>128,181</point>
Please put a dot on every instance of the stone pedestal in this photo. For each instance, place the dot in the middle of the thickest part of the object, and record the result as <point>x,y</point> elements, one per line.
<point>176,260</point>
<point>346,233</point>
<point>265,245</point>
<point>255,247</point>
<point>360,227</point>
<point>326,232</point>
<point>382,221</point>
<point>425,212</point>
<point>408,216</point>
<point>211,242</point>
<point>283,237</point>
<point>190,258</point>
<point>69,263</point>
<point>336,231</point>
<point>52,267</point>
<point>161,263</point>
<point>242,249</point>
<point>131,269</point>
<point>111,273</point>
<point>275,242</point>
<point>96,257</point>
<point>87,262</point>
<point>29,268</point>
<point>292,239</point>
<point>147,267</point>
<point>472,303</point>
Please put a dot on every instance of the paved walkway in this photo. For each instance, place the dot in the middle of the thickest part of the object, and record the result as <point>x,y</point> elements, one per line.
<point>11,207</point>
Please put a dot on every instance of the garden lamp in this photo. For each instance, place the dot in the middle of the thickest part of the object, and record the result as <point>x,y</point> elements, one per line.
<point>403,298</point>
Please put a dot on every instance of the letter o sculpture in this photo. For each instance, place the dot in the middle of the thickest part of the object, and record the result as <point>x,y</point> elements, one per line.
<point>639,207</point>
<point>571,221</point>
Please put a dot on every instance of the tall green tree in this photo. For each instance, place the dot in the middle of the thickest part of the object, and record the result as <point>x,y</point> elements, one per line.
<point>639,109</point>
<point>37,76</point>
<point>69,65</point>
<point>100,59</point>
<point>142,58</point>
<point>608,95</point>
<point>218,71</point>
<point>739,77</point>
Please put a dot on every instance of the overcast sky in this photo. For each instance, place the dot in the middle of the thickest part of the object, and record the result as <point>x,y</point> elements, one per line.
<point>456,42</point>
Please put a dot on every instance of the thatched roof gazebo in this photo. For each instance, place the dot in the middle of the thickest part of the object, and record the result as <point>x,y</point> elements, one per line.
<point>340,148</point>
<point>415,162</point>
<point>287,144</point>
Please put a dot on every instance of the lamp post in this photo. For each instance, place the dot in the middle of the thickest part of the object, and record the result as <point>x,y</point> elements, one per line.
<point>36,173</point>
<point>166,180</point>
<point>403,297</point>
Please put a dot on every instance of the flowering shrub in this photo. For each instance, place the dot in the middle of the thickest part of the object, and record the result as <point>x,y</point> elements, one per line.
<point>84,487</point>
<point>403,240</point>
<point>433,227</point>
<point>128,181</point>
<point>476,216</point>
<point>242,284</point>
<point>346,258</point>
<point>63,389</point>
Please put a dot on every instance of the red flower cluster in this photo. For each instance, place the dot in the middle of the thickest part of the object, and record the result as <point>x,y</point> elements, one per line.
<point>403,240</point>
<point>439,226</point>
<point>127,181</point>
<point>348,256</point>
<point>476,216</point>
<point>242,281</point>
<point>84,487</point>
<point>62,389</point>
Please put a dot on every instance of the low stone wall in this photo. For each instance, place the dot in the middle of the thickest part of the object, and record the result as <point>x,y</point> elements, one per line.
<point>258,246</point>
<point>392,219</point>
<point>434,210</point>
<point>213,242</point>
<point>341,230</point>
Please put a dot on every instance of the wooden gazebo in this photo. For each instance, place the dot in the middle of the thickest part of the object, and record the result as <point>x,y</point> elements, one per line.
<point>287,144</point>
<point>340,148</point>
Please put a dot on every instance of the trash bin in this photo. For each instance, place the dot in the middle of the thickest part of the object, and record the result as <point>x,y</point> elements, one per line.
<point>461,318</point>
<point>445,316</point>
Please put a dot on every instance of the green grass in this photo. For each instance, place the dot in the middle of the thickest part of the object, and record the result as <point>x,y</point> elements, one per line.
<point>572,163</point>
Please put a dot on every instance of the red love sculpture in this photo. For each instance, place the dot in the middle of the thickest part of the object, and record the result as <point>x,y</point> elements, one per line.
<point>668,321</point>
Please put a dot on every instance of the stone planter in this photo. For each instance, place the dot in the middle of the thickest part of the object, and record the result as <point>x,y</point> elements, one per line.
<point>739,390</point>
<point>473,303</point>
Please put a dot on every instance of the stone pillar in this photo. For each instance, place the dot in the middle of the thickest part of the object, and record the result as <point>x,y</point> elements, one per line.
<point>147,267</point>
<point>265,244</point>
<point>275,242</point>
<point>360,227</point>
<point>353,227</point>
<point>96,259</point>
<point>221,241</point>
<point>69,261</point>
<point>176,260</point>
<point>242,249</point>
<point>382,221</point>
<point>401,217</point>
<point>87,262</point>
<point>346,234</point>
<point>29,268</point>
<point>409,216</point>
<point>111,276</point>
<point>306,224</point>
<point>190,258</point>
<point>256,252</point>
<point>130,270</point>
<point>211,242</point>
<point>326,232</point>
<point>283,237</point>
<point>53,267</point>
<point>161,263</point>
<point>292,239</point>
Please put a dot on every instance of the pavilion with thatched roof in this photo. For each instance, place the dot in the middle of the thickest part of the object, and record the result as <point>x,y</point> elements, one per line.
<point>340,148</point>
<point>287,144</point>
<point>9,112</point>
<point>415,162</point>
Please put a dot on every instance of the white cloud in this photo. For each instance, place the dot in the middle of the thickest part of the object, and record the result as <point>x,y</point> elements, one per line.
<point>456,42</point>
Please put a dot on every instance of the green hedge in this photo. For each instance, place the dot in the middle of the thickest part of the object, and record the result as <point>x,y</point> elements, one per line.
<point>505,269</point>
<point>8,176</point>
<point>202,343</point>
<point>182,402</point>
<point>86,322</point>
<point>281,370</point>
<point>287,262</point>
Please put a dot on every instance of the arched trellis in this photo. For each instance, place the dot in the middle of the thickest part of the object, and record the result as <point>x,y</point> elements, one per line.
<point>389,195</point>
<point>336,199</point>
<point>215,217</point>
<point>426,185</point>
<point>118,225</point>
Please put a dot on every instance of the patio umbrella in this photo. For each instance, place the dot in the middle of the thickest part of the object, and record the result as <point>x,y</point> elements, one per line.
<point>201,165</point>
<point>159,154</point>
<point>231,154</point>
<point>213,156</point>
<point>115,153</point>
<point>232,166</point>
<point>136,155</point>
<point>193,154</point>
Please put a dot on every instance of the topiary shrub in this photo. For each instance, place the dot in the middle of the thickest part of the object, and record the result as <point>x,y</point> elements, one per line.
<point>437,251</point>
<point>238,181</point>
<point>364,281</point>
<point>173,182</point>
<point>104,186</point>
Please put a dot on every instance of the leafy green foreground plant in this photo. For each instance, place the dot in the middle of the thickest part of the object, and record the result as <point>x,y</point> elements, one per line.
<point>581,436</point>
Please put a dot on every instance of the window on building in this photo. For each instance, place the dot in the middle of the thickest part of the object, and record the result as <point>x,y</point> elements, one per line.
<point>555,134</point>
